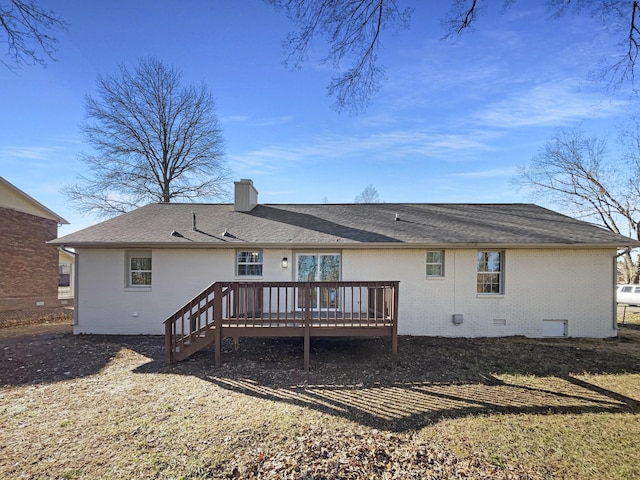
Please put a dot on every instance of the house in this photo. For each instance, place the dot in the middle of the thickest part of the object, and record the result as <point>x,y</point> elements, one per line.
<point>28,265</point>
<point>464,270</point>
<point>66,263</point>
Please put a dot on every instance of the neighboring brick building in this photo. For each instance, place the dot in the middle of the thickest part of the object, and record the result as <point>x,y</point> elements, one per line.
<point>28,265</point>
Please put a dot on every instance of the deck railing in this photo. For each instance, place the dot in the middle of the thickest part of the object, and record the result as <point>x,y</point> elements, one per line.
<point>302,309</point>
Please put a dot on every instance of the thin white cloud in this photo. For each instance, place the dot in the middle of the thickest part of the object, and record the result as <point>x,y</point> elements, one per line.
<point>273,121</point>
<point>31,153</point>
<point>258,122</point>
<point>550,104</point>
<point>234,118</point>
<point>382,146</point>
<point>489,173</point>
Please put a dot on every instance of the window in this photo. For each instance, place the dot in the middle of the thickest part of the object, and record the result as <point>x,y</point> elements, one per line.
<point>435,263</point>
<point>64,275</point>
<point>139,268</point>
<point>249,263</point>
<point>489,268</point>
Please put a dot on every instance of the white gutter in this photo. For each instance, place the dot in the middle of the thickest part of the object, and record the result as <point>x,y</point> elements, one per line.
<point>615,292</point>
<point>75,282</point>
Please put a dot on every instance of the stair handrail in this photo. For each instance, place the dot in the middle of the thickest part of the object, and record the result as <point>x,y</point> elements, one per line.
<point>193,310</point>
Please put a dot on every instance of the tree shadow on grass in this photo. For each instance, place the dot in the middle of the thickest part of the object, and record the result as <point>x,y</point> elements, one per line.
<point>435,378</point>
<point>352,378</point>
<point>44,354</point>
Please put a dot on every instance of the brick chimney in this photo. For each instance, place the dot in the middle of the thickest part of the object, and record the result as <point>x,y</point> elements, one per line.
<point>246,196</point>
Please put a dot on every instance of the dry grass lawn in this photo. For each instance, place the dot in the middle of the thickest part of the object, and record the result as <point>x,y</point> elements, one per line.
<point>98,407</point>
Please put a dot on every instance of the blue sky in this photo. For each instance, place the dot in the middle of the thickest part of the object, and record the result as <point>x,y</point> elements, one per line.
<point>451,123</point>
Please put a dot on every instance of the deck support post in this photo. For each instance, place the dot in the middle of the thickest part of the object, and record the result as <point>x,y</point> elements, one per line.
<point>217,321</point>
<point>306,319</point>
<point>394,331</point>
<point>307,347</point>
<point>394,349</point>
<point>169,338</point>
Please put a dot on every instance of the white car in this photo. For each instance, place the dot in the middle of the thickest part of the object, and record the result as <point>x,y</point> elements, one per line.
<point>629,294</point>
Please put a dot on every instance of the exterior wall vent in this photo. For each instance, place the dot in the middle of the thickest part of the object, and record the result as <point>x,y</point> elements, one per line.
<point>500,321</point>
<point>457,318</point>
<point>555,327</point>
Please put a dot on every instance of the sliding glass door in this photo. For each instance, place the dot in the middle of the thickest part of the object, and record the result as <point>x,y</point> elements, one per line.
<point>319,267</point>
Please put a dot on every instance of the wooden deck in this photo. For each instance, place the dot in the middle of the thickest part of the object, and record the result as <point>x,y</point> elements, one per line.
<point>282,309</point>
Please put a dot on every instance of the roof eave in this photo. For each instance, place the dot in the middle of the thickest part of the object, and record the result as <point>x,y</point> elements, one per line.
<point>34,202</point>
<point>342,245</point>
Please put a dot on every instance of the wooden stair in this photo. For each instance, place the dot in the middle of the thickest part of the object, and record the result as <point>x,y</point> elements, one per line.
<point>193,326</point>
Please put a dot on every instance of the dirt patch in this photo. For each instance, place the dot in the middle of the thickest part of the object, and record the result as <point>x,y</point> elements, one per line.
<point>92,406</point>
<point>40,317</point>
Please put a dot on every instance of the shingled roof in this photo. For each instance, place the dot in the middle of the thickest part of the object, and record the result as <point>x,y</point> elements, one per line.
<point>381,224</point>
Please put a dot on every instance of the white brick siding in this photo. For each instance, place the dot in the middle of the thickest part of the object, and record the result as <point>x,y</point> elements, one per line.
<point>571,284</point>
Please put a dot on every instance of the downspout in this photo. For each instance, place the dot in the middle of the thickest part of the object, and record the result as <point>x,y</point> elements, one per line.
<point>615,288</point>
<point>75,284</point>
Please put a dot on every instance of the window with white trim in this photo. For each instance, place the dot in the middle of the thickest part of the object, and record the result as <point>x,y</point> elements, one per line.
<point>490,270</point>
<point>139,268</point>
<point>249,263</point>
<point>435,263</point>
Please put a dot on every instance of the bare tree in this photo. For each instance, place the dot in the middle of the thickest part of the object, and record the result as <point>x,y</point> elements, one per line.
<point>368,195</point>
<point>622,16</point>
<point>28,32</point>
<point>575,172</point>
<point>353,31</point>
<point>154,141</point>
